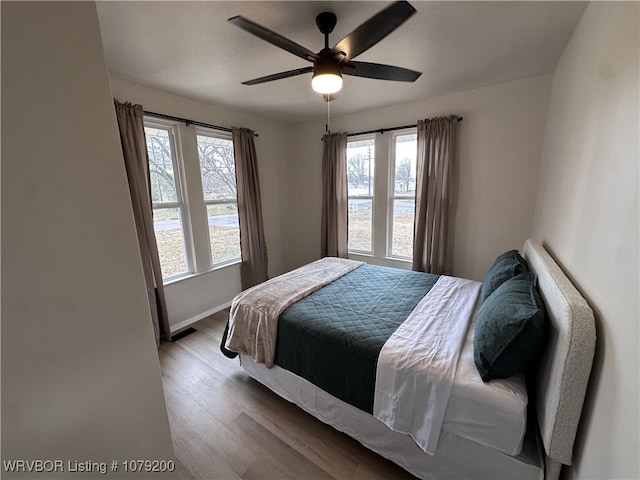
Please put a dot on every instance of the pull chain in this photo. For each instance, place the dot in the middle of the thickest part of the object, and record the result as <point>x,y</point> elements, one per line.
<point>328,125</point>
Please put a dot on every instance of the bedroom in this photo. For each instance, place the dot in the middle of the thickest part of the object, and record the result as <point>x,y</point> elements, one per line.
<point>560,139</point>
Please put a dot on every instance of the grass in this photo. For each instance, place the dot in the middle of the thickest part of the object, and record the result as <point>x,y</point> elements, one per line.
<point>360,233</point>
<point>360,230</point>
<point>402,242</point>
<point>171,252</point>
<point>225,242</point>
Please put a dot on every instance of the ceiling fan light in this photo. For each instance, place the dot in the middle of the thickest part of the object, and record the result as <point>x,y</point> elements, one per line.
<point>326,83</point>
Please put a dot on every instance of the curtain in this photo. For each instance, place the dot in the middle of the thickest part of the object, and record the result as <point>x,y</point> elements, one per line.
<point>334,196</point>
<point>134,148</point>
<point>434,194</point>
<point>253,269</point>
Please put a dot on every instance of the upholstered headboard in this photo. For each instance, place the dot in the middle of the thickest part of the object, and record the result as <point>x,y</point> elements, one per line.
<point>565,367</point>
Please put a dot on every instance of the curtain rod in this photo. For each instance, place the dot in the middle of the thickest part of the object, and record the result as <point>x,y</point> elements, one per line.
<point>390,129</point>
<point>188,122</point>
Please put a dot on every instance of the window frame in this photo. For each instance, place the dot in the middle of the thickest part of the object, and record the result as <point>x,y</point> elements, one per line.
<point>172,128</point>
<point>227,136</point>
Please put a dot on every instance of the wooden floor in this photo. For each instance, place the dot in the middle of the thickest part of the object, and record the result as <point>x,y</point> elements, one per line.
<point>226,425</point>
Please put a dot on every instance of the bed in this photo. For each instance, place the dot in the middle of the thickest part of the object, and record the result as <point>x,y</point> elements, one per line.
<point>410,389</point>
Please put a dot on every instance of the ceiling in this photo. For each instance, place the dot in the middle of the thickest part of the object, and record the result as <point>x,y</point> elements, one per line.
<point>190,49</point>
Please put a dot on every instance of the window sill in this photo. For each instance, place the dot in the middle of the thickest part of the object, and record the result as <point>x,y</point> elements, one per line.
<point>191,276</point>
<point>394,262</point>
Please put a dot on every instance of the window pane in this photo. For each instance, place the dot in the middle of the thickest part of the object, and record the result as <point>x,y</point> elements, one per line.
<point>405,165</point>
<point>402,234</point>
<point>217,167</point>
<point>218,172</point>
<point>163,185</point>
<point>360,223</point>
<point>167,223</point>
<point>224,232</point>
<point>360,160</point>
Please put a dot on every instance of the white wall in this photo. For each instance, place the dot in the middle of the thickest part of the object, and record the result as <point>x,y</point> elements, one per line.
<point>80,371</point>
<point>191,298</point>
<point>500,145</point>
<point>587,216</point>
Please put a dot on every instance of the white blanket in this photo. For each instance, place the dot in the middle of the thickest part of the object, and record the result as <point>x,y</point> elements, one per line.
<point>253,319</point>
<point>417,364</point>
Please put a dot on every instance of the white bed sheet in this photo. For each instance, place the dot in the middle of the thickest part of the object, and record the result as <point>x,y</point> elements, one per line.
<point>493,414</point>
<point>419,361</point>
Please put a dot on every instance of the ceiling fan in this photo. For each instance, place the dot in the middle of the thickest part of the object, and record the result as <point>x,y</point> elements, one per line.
<point>329,64</point>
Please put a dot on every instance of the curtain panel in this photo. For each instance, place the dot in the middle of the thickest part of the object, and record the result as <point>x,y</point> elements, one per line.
<point>334,226</point>
<point>434,194</point>
<point>254,266</point>
<point>134,148</point>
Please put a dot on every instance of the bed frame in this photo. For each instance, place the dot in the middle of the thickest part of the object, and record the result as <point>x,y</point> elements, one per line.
<point>566,365</point>
<point>558,396</point>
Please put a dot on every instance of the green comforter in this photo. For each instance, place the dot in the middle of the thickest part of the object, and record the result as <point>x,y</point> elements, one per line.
<point>333,337</point>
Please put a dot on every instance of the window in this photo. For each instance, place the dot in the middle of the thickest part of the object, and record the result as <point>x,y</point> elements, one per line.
<point>382,208</point>
<point>168,204</point>
<point>402,200</point>
<point>218,172</point>
<point>194,197</point>
<point>360,179</point>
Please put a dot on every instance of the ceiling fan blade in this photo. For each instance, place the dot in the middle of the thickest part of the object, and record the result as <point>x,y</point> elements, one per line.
<point>374,30</point>
<point>380,72</point>
<point>279,76</point>
<point>273,38</point>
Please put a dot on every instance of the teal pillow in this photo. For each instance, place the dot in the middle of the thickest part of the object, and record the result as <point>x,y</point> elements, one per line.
<point>510,329</point>
<point>506,266</point>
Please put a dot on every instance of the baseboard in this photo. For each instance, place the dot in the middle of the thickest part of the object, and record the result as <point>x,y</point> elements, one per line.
<point>190,321</point>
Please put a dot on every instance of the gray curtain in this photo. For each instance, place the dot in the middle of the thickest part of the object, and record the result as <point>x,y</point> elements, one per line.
<point>134,148</point>
<point>334,226</point>
<point>434,194</point>
<point>253,269</point>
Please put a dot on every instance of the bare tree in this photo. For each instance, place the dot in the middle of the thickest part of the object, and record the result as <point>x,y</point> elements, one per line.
<point>218,171</point>
<point>358,170</point>
<point>163,187</point>
<point>403,175</point>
